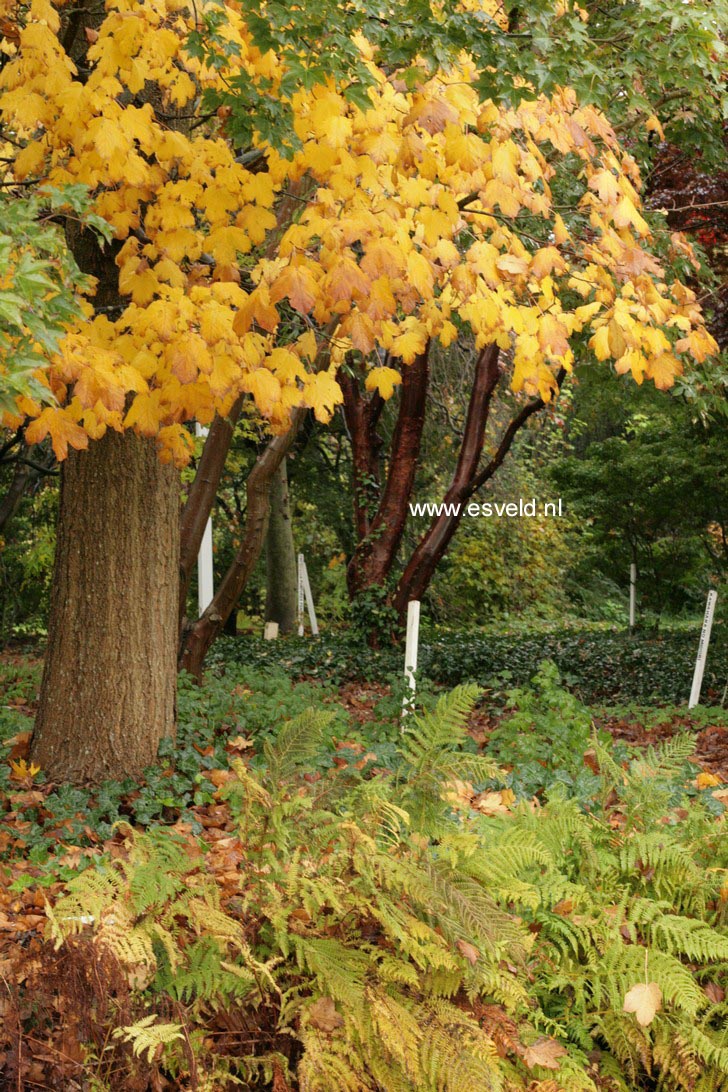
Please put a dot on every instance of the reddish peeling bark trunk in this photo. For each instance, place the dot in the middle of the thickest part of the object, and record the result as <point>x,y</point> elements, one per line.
<point>375,553</point>
<point>197,638</point>
<point>423,562</point>
<point>201,498</point>
<point>362,417</point>
<point>466,481</point>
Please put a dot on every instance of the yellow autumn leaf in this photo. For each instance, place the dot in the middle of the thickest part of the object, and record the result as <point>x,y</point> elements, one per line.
<point>706,780</point>
<point>545,1053</point>
<point>323,395</point>
<point>410,344</point>
<point>144,413</point>
<point>663,370</point>
<point>360,329</point>
<point>599,343</point>
<point>383,380</point>
<point>298,285</point>
<point>265,389</point>
<point>63,431</point>
<point>652,125</point>
<point>626,215</point>
<point>605,184</point>
<point>511,263</point>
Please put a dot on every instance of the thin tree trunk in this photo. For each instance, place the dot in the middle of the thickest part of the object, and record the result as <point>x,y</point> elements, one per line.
<point>201,498</point>
<point>280,556</point>
<point>197,639</point>
<point>374,556</point>
<point>429,551</point>
<point>466,481</point>
<point>108,690</point>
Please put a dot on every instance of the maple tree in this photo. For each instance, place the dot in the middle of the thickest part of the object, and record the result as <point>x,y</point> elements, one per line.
<point>413,211</point>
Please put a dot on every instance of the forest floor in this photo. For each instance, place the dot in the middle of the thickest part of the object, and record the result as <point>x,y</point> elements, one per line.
<point>46,832</point>
<point>40,849</point>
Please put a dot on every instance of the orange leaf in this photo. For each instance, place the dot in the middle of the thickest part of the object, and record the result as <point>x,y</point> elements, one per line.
<point>297,283</point>
<point>54,422</point>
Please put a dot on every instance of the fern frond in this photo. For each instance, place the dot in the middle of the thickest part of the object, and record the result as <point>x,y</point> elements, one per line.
<point>146,1036</point>
<point>425,737</point>
<point>297,743</point>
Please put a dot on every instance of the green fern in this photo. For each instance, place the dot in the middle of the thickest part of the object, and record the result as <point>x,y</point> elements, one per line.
<point>146,1036</point>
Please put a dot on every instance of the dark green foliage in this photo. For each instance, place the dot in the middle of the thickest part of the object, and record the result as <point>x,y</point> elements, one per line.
<point>599,663</point>
<point>660,55</point>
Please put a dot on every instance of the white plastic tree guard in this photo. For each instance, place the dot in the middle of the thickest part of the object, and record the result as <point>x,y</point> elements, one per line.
<point>702,649</point>
<point>304,595</point>
<point>205,577</point>
<point>410,653</point>
<point>632,595</point>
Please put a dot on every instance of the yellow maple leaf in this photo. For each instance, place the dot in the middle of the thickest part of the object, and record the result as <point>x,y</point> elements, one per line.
<point>652,125</point>
<point>360,329</point>
<point>265,389</point>
<point>144,413</point>
<point>605,184</point>
<point>297,283</point>
<point>63,431</point>
<point>410,344</point>
<point>599,343</point>
<point>663,370</point>
<point>21,771</point>
<point>383,380</point>
<point>511,263</point>
<point>323,394</point>
<point>706,780</point>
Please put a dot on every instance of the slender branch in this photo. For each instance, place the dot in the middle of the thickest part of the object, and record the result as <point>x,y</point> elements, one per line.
<point>508,437</point>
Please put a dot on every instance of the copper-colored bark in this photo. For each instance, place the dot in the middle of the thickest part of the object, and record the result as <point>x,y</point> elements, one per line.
<point>375,554</point>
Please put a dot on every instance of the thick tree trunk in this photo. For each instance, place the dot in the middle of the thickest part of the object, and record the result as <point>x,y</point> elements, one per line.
<point>108,691</point>
<point>280,557</point>
<point>362,417</point>
<point>375,554</point>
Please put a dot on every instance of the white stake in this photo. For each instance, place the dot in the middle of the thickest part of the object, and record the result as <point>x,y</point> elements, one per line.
<point>304,593</point>
<point>410,653</point>
<point>702,649</point>
<point>632,595</point>
<point>205,577</point>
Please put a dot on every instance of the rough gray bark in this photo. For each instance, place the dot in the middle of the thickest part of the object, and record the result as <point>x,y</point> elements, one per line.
<point>108,691</point>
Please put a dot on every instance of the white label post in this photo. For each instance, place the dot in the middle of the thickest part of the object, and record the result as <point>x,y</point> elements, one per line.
<point>702,649</point>
<point>410,653</point>
<point>205,577</point>
<point>632,595</point>
<point>304,593</point>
